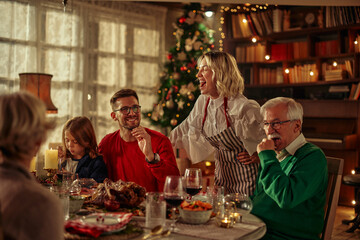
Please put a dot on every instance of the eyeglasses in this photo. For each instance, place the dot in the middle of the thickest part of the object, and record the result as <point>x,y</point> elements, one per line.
<point>275,125</point>
<point>126,110</point>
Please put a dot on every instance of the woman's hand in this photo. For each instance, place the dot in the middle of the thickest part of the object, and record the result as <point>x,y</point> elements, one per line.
<point>245,158</point>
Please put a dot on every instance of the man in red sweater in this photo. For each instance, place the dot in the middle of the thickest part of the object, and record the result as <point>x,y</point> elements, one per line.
<point>134,153</point>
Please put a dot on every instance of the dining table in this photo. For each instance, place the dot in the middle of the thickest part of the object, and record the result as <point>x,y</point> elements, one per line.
<point>250,228</point>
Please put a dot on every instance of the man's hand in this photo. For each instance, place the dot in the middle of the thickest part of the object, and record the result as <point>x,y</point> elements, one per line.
<point>245,158</point>
<point>144,142</point>
<point>266,144</point>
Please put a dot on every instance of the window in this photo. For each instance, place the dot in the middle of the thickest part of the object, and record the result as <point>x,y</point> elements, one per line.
<point>92,49</point>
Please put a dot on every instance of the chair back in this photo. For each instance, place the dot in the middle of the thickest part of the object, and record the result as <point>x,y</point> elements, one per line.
<point>335,170</point>
<point>1,226</point>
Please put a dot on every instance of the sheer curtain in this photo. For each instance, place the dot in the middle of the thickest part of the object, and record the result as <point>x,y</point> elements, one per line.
<point>92,49</point>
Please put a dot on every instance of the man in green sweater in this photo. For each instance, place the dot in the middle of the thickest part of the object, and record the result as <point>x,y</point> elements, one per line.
<point>291,186</point>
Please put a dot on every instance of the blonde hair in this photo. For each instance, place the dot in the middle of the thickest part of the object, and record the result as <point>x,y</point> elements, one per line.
<point>229,81</point>
<point>23,125</point>
<point>83,131</point>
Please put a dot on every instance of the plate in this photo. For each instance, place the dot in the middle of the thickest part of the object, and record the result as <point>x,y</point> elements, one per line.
<point>101,220</point>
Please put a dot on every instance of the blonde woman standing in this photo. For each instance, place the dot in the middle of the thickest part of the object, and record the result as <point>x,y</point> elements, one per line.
<point>225,121</point>
<point>29,210</point>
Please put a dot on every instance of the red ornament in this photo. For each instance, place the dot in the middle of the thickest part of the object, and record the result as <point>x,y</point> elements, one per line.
<point>212,46</point>
<point>169,56</point>
<point>176,88</point>
<point>182,20</point>
<point>192,64</point>
<point>183,68</point>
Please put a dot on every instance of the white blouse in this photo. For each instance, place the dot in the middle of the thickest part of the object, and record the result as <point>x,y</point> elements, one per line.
<point>244,116</point>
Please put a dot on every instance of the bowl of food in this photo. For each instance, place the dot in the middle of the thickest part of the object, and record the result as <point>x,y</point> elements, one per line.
<point>196,212</point>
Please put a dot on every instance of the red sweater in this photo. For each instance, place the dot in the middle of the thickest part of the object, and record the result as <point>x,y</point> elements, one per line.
<point>125,160</point>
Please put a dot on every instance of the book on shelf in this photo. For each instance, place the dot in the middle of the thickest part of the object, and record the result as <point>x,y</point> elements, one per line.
<point>235,27</point>
<point>335,74</point>
<point>251,25</point>
<point>257,23</point>
<point>352,91</point>
<point>267,23</point>
<point>277,20</point>
<point>356,92</point>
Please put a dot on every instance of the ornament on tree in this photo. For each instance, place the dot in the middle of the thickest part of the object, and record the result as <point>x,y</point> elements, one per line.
<point>176,75</point>
<point>182,56</point>
<point>173,122</point>
<point>192,64</point>
<point>181,104</point>
<point>170,104</point>
<point>182,20</point>
<point>162,74</point>
<point>197,45</point>
<point>191,19</point>
<point>176,89</point>
<point>169,56</point>
<point>183,68</point>
<point>158,112</point>
<point>191,97</point>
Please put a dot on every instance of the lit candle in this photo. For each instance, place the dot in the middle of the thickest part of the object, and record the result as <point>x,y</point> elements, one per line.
<point>237,217</point>
<point>226,223</point>
<point>51,159</point>
<point>33,165</point>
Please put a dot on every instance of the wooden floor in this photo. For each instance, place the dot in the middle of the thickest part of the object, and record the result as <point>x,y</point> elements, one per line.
<point>339,228</point>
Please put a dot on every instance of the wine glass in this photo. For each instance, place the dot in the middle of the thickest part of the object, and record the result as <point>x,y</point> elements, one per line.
<point>193,181</point>
<point>174,194</point>
<point>243,204</point>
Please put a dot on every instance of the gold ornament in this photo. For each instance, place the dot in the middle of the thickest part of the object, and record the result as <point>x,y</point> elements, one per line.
<point>170,104</point>
<point>173,122</point>
<point>191,97</point>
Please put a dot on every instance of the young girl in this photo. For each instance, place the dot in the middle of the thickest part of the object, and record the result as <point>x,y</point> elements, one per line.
<point>79,139</point>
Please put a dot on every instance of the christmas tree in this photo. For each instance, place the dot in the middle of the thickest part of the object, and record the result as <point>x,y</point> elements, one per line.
<point>178,89</point>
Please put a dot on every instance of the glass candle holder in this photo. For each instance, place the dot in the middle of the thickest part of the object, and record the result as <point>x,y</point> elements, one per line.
<point>225,216</point>
<point>237,217</point>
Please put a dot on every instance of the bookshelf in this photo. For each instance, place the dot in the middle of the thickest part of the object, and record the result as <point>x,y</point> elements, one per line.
<point>311,54</point>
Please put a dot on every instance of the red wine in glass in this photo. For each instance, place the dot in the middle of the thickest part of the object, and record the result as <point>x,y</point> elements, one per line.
<point>174,201</point>
<point>193,181</point>
<point>193,190</point>
<point>174,194</point>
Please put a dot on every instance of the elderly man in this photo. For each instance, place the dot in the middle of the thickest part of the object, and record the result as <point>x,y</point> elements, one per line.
<point>291,187</point>
<point>134,153</point>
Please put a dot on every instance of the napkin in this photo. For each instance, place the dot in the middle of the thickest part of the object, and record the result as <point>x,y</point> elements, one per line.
<point>79,226</point>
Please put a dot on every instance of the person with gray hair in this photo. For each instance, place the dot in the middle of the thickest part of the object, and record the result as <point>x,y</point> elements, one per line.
<point>29,210</point>
<point>291,187</point>
<point>225,121</point>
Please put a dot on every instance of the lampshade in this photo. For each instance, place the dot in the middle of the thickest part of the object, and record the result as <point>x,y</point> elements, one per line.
<point>38,84</point>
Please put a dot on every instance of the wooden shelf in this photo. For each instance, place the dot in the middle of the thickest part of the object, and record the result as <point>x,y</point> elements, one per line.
<point>327,114</point>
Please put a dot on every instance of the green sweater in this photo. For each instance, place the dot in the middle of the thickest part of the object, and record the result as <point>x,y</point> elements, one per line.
<point>290,195</point>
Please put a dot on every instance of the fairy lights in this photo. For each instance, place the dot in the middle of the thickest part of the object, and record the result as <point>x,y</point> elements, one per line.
<point>247,7</point>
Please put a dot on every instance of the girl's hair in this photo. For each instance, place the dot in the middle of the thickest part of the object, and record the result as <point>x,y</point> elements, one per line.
<point>23,125</point>
<point>83,132</point>
<point>229,81</point>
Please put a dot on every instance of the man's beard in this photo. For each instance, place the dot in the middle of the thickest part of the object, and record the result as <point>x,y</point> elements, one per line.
<point>130,127</point>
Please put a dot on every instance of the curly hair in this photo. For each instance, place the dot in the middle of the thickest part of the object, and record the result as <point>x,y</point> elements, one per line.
<point>23,125</point>
<point>83,131</point>
<point>229,81</point>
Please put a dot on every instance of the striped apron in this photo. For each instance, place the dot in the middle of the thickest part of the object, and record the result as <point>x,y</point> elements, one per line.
<point>229,172</point>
